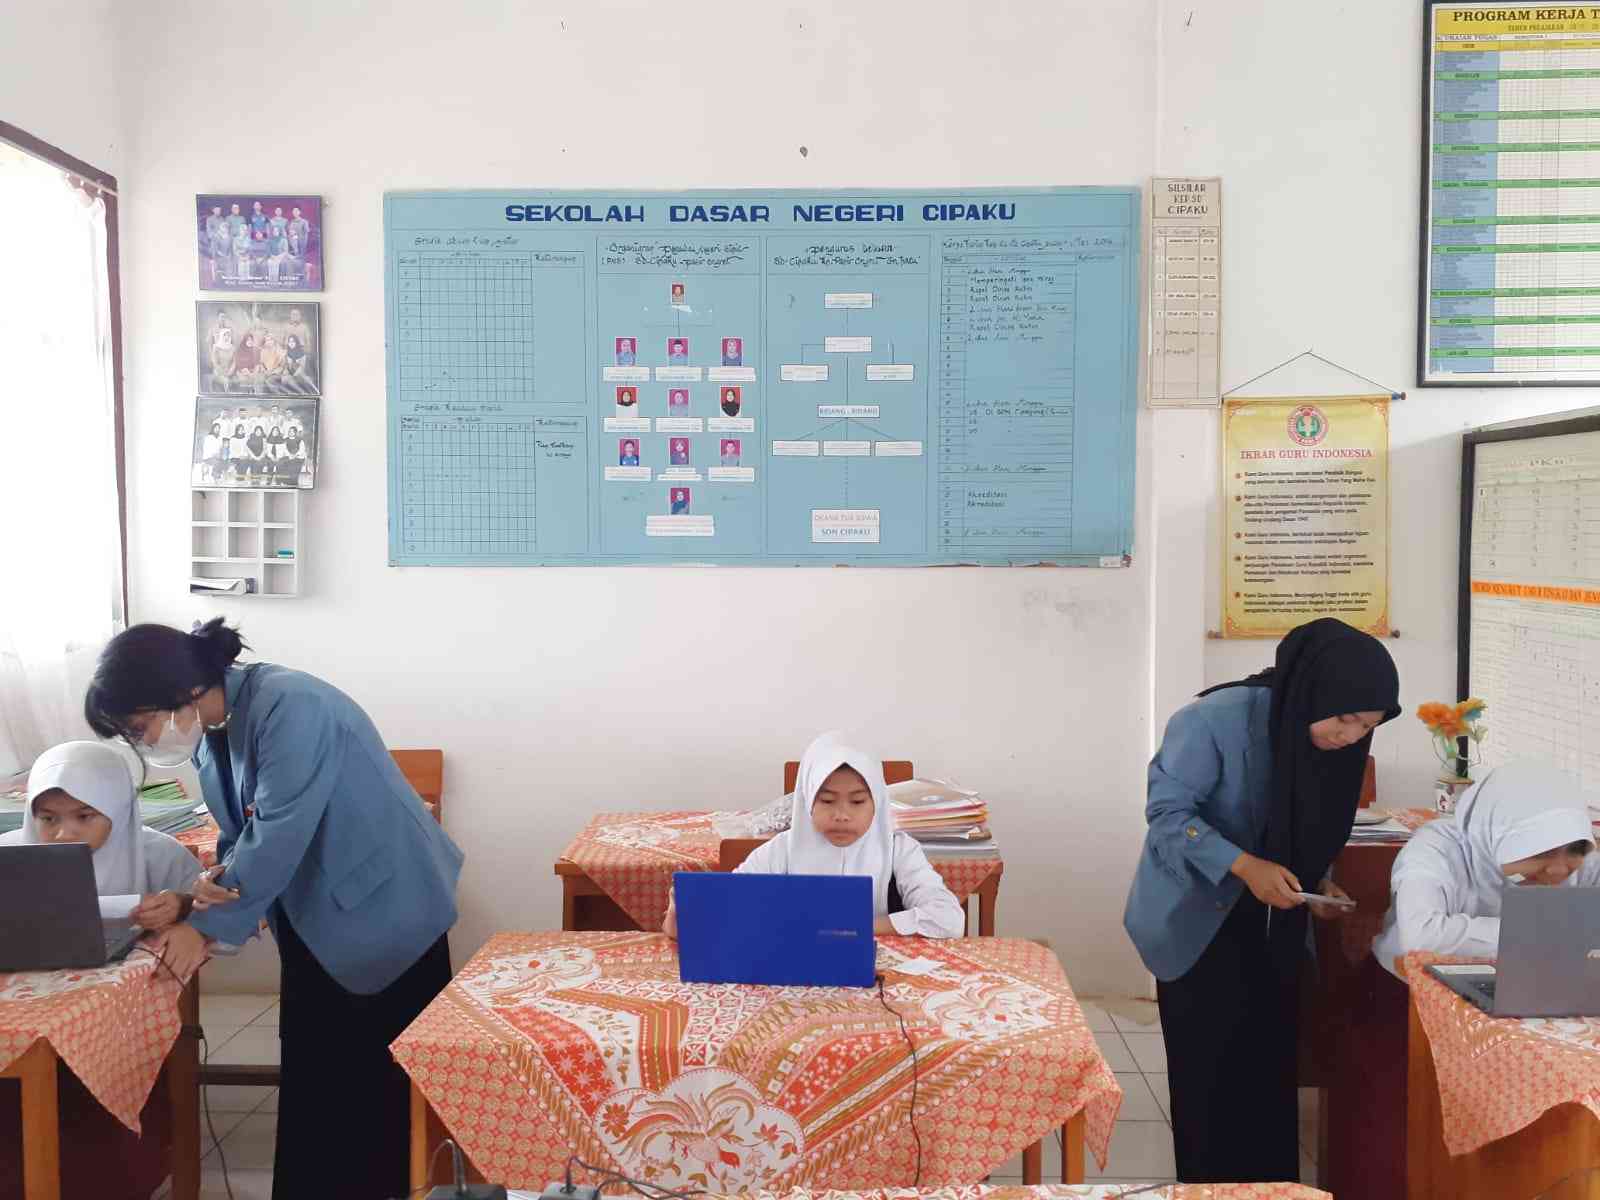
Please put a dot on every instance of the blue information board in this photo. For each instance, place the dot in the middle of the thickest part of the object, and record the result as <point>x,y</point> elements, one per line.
<point>762,378</point>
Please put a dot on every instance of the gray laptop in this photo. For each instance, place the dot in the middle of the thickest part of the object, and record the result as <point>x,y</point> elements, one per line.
<point>1549,962</point>
<point>50,911</point>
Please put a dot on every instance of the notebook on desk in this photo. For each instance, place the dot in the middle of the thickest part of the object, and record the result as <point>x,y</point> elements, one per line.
<point>52,911</point>
<point>788,930</point>
<point>1549,961</point>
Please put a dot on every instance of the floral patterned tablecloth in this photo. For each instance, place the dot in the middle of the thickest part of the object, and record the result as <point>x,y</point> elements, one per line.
<point>631,857</point>
<point>113,1026</point>
<point>1069,1191</point>
<point>1499,1074</point>
<point>555,1044</point>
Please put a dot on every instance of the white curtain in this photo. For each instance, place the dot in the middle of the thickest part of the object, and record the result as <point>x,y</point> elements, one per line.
<point>61,585</point>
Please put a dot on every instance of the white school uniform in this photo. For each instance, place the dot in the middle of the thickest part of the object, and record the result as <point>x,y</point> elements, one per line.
<point>1447,886</point>
<point>134,860</point>
<point>931,909</point>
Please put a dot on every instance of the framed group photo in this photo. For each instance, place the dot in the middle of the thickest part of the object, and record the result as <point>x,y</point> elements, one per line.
<point>256,243</point>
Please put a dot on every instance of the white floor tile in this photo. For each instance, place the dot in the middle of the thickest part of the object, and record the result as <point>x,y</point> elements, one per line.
<point>224,1123</point>
<point>249,1047</point>
<point>270,1017</point>
<point>218,1036</point>
<point>1115,1051</point>
<point>247,1184</point>
<point>236,1099</point>
<point>1149,1050</point>
<point>1163,1092</point>
<point>1139,1150</point>
<point>1099,1019</point>
<point>270,1104</point>
<point>250,1144</point>
<point>1050,1170</point>
<point>1137,1016</point>
<point>1138,1102</point>
<point>233,1010</point>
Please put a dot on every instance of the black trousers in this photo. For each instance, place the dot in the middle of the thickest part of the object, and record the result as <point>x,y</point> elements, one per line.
<point>1230,1027</point>
<point>344,1116</point>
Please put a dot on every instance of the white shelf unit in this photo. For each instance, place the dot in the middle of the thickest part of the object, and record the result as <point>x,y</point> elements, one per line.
<point>237,533</point>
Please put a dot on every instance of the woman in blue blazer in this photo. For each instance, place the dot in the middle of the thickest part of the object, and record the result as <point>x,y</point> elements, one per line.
<point>1251,796</point>
<point>322,837</point>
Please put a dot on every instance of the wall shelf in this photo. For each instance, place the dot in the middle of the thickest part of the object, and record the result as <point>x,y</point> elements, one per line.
<point>237,533</point>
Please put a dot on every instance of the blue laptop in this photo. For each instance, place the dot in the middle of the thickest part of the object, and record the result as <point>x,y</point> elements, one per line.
<point>788,930</point>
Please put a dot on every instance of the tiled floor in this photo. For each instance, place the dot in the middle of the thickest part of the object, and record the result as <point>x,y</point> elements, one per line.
<point>243,1029</point>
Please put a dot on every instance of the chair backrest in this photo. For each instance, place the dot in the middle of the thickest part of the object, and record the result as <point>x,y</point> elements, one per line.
<point>1369,784</point>
<point>734,851</point>
<point>895,770</point>
<point>424,771</point>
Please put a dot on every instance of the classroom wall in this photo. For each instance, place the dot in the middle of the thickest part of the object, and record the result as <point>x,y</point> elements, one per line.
<point>60,77</point>
<point>559,692</point>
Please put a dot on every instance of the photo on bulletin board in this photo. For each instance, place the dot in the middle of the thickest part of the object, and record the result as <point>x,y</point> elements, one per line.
<point>254,443</point>
<point>258,347</point>
<point>256,243</point>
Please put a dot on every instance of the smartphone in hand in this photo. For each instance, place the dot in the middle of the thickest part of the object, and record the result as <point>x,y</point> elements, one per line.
<point>1332,901</point>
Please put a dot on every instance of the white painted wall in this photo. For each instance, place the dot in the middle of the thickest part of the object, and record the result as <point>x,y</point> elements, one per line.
<point>559,692</point>
<point>60,77</point>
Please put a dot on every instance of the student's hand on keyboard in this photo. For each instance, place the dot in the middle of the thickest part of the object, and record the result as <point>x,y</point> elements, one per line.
<point>158,911</point>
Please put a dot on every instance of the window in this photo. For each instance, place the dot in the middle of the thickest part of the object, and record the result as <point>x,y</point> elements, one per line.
<point>62,589</point>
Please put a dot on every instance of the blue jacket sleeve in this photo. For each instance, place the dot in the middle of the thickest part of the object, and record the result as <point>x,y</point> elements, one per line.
<point>299,756</point>
<point>1184,773</point>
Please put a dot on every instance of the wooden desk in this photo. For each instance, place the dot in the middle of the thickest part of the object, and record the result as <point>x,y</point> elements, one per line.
<point>689,1078</point>
<point>1532,1159</point>
<point>36,1071</point>
<point>635,855</point>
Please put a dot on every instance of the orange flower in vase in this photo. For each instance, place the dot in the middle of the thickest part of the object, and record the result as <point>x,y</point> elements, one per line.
<point>1449,724</point>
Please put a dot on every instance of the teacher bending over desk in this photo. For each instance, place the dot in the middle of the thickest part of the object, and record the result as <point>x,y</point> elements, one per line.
<point>322,837</point>
<point>1251,796</point>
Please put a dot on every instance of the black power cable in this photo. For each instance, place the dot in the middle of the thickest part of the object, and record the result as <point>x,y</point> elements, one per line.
<point>916,1137</point>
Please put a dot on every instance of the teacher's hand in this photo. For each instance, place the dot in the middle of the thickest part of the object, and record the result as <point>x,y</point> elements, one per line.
<point>208,892</point>
<point>1270,883</point>
<point>183,949</point>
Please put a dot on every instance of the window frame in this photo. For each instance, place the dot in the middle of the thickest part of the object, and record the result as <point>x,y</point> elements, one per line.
<point>103,185</point>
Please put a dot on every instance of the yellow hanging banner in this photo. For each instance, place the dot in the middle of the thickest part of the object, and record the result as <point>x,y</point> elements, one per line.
<point>1305,513</point>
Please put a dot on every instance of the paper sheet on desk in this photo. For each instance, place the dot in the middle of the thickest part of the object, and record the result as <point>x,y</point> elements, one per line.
<point>118,908</point>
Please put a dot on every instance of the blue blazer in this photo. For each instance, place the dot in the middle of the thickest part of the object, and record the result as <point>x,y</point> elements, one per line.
<point>1207,799</point>
<point>335,835</point>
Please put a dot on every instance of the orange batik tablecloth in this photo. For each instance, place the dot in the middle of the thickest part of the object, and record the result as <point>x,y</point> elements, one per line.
<point>556,1044</point>
<point>631,856</point>
<point>113,1026</point>
<point>1080,1191</point>
<point>1498,1075</point>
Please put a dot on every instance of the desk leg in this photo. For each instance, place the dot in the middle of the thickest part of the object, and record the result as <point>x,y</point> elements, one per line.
<point>183,1092</point>
<point>986,899</point>
<point>1072,1150</point>
<point>41,1123</point>
<point>419,1140</point>
<point>1033,1165</point>
<point>569,904</point>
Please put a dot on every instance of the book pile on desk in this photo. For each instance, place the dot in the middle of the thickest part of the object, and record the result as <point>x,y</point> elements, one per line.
<point>946,819</point>
<point>1368,829</point>
<point>166,807</point>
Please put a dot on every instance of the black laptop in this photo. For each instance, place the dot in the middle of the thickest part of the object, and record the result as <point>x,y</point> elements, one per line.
<point>50,911</point>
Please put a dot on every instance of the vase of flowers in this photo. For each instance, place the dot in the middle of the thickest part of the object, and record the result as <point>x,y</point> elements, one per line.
<point>1458,732</point>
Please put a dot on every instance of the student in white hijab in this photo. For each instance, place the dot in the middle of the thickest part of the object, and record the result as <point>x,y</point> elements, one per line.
<point>1523,824</point>
<point>842,826</point>
<point>84,792</point>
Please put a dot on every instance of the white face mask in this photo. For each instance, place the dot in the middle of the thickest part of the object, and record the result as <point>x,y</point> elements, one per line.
<point>177,743</point>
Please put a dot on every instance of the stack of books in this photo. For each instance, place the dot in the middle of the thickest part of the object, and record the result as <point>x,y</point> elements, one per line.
<point>167,809</point>
<point>944,818</point>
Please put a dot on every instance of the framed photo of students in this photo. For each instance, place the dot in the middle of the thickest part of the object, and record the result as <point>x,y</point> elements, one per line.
<point>254,442</point>
<point>252,242</point>
<point>258,347</point>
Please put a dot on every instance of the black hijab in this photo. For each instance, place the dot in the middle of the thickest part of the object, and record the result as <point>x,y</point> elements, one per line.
<point>1323,669</point>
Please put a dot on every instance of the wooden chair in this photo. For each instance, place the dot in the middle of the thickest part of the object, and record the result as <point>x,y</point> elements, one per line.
<point>424,771</point>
